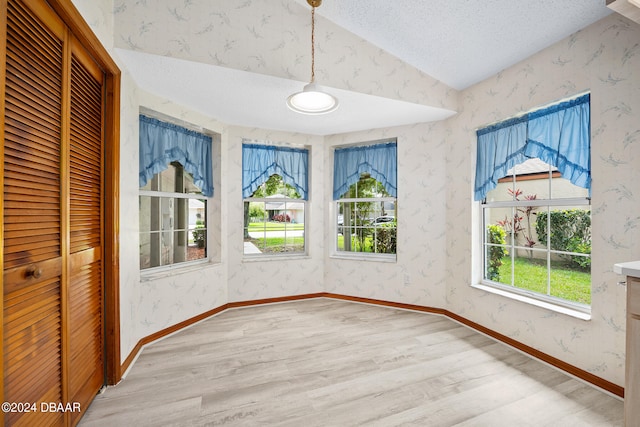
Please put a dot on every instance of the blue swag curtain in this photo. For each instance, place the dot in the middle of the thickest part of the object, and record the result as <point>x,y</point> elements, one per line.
<point>379,160</point>
<point>558,135</point>
<point>162,143</point>
<point>259,162</point>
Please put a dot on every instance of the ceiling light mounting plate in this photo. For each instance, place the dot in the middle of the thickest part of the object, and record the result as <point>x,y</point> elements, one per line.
<point>314,3</point>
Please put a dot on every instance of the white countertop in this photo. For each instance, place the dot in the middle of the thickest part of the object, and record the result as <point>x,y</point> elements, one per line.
<point>628,268</point>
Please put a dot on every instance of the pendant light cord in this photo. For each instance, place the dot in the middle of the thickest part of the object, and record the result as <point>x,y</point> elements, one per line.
<point>313,44</point>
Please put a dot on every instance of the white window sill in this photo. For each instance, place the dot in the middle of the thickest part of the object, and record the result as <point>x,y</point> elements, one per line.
<point>578,314</point>
<point>147,276</point>
<point>351,256</point>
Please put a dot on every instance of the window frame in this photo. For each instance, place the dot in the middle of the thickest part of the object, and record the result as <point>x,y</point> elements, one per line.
<point>265,255</point>
<point>547,300</point>
<point>173,266</point>
<point>287,171</point>
<point>372,256</point>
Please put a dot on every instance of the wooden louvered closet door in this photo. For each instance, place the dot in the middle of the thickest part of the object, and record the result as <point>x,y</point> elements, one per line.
<point>85,296</point>
<point>52,219</point>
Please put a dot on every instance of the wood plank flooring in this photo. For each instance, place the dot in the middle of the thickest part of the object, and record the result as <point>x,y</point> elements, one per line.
<point>323,362</point>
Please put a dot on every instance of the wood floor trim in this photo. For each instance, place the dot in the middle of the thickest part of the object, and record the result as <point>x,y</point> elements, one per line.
<point>168,331</point>
<point>537,354</point>
<point>274,300</point>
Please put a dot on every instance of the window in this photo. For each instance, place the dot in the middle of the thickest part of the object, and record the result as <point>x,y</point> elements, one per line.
<point>366,220</point>
<point>175,182</point>
<point>274,188</point>
<point>173,219</point>
<point>533,180</point>
<point>365,200</point>
<point>274,219</point>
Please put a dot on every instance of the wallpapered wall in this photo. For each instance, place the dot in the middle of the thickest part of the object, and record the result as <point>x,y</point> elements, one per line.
<point>435,264</point>
<point>418,276</point>
<point>604,59</point>
<point>258,279</point>
<point>249,36</point>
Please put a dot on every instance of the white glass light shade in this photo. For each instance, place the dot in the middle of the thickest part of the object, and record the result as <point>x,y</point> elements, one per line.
<point>312,100</point>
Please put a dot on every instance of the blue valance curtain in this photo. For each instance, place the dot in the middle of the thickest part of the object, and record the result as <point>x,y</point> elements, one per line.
<point>259,162</point>
<point>379,160</point>
<point>558,135</point>
<point>500,147</point>
<point>162,143</point>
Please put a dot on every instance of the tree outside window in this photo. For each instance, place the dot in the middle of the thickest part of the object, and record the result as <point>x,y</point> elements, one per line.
<point>366,220</point>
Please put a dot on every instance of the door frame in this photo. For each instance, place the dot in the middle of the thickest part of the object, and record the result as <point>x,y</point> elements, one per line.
<point>111,304</point>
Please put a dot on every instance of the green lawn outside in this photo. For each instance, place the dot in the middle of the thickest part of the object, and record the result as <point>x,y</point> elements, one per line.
<point>355,244</point>
<point>274,226</point>
<point>279,245</point>
<point>566,282</point>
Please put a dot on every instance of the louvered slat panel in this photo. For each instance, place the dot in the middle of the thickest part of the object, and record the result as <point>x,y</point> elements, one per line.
<point>86,159</point>
<point>29,157</point>
<point>31,315</point>
<point>32,134</point>
<point>32,342</point>
<point>85,246</point>
<point>86,326</point>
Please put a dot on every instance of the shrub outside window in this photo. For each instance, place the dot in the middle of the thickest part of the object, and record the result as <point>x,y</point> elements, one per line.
<point>538,235</point>
<point>533,179</point>
<point>173,215</point>
<point>366,219</point>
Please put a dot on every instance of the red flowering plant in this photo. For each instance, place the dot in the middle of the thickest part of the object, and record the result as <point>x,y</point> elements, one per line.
<point>515,225</point>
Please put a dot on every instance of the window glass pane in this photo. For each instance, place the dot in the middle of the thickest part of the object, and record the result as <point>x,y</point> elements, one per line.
<point>570,283</point>
<point>274,219</point>
<point>529,274</point>
<point>197,244</point>
<point>189,186</point>
<point>145,214</point>
<point>166,247</point>
<point>172,230</point>
<point>167,179</point>
<point>156,249</point>
<point>179,246</point>
<point>570,231</point>
<point>148,185</point>
<point>172,225</point>
<point>563,188</point>
<point>556,263</point>
<point>166,213</point>
<point>145,250</point>
<point>366,226</point>
<point>274,227</point>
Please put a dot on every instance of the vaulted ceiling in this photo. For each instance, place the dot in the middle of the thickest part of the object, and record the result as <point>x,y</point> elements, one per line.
<point>389,62</point>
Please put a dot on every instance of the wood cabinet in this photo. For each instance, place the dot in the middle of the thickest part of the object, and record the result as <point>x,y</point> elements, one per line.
<point>632,376</point>
<point>626,8</point>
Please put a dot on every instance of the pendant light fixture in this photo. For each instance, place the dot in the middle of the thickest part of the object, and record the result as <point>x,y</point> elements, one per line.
<point>312,100</point>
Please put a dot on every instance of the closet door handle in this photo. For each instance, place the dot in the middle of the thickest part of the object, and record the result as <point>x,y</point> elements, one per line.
<point>33,271</point>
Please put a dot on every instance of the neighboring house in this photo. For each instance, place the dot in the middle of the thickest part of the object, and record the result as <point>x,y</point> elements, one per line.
<point>294,210</point>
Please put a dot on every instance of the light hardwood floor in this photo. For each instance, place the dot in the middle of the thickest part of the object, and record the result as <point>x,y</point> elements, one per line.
<point>324,362</point>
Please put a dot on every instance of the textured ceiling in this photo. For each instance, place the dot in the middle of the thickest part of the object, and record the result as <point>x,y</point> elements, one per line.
<point>462,42</point>
<point>257,100</point>
<point>246,80</point>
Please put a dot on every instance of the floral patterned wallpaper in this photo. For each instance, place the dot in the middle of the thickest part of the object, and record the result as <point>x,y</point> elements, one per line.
<point>436,261</point>
<point>418,276</point>
<point>603,59</point>
<point>249,36</point>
